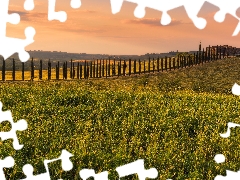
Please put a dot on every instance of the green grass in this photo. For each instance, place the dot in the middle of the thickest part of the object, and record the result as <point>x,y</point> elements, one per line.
<point>171,120</point>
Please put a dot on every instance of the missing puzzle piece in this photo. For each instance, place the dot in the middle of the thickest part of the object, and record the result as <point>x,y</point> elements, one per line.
<point>21,125</point>
<point>15,45</point>
<point>192,9</point>
<point>227,7</point>
<point>9,45</point>
<point>66,166</point>
<point>8,162</point>
<point>60,15</point>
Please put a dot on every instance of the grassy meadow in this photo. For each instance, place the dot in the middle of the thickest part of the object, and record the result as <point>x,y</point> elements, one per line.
<point>172,120</point>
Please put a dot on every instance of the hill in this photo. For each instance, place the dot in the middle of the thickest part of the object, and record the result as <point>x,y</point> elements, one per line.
<point>172,120</point>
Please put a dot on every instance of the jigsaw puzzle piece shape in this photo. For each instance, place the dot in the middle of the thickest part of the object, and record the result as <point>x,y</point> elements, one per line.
<point>8,45</point>
<point>17,45</point>
<point>192,8</point>
<point>13,18</point>
<point>230,125</point>
<point>229,175</point>
<point>227,7</point>
<point>53,15</point>
<point>137,167</point>
<point>66,166</point>
<point>28,171</point>
<point>60,15</point>
<point>5,163</point>
<point>87,173</point>
<point>65,158</point>
<point>18,126</point>
<point>116,5</point>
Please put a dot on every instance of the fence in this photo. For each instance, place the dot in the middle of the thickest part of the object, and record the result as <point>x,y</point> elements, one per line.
<point>112,68</point>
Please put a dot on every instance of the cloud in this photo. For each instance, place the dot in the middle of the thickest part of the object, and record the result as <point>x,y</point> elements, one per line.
<point>150,22</point>
<point>21,13</point>
<point>26,16</point>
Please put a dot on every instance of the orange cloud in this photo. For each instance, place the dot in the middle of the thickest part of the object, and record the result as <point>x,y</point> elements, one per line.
<point>150,22</point>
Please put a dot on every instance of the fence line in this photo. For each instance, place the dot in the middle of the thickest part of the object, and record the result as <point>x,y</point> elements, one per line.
<point>101,68</point>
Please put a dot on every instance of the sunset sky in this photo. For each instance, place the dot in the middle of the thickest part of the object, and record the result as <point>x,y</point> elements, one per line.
<point>94,29</point>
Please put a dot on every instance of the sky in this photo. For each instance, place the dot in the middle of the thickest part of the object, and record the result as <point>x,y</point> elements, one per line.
<point>94,29</point>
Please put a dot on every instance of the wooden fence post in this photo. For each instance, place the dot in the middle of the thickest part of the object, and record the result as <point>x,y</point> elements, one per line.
<point>119,69</point>
<point>32,70</point>
<point>91,73</point>
<point>194,59</point>
<point>22,71</point>
<point>178,62</point>
<point>71,68</point>
<point>85,69</point>
<point>81,71</point>
<point>13,70</point>
<point>209,53</point>
<point>144,66</point>
<point>170,63</point>
<point>49,70</point>
<point>63,70</point>
<point>124,68</point>
<point>94,69</point>
<point>58,70</point>
<point>184,61</point>
<point>158,69</point>
<point>162,64</point>
<point>97,69</point>
<point>88,71</point>
<point>139,62</point>
<point>220,52</point>
<point>203,56</point>
<point>100,68</point>
<point>40,70</point>
<point>66,70</point>
<point>130,67</point>
<point>135,67</point>
<point>73,71</point>
<point>174,65</point>
<point>190,60</point>
<point>149,65</point>
<point>78,71</point>
<point>105,68</point>
<point>166,63</point>
<point>153,65</point>
<point>114,64</point>
<point>109,67</point>
<point>4,70</point>
<point>113,69</point>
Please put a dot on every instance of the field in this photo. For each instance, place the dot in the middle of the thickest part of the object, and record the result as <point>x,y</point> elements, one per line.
<point>172,120</point>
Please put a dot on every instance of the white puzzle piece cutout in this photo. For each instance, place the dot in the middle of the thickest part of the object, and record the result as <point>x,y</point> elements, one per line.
<point>21,125</point>
<point>87,173</point>
<point>138,168</point>
<point>9,45</point>
<point>192,8</point>
<point>66,166</point>
<point>8,162</point>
